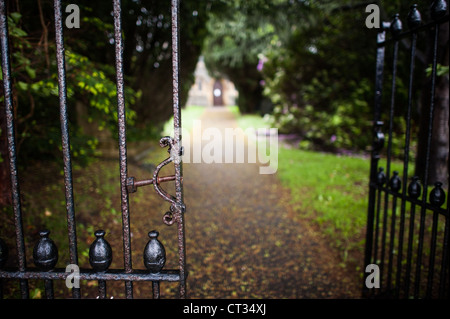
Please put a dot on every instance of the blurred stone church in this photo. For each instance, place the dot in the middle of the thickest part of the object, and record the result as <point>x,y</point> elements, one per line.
<point>208,91</point>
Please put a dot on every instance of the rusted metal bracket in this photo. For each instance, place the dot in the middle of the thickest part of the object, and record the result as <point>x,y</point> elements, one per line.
<point>133,184</point>
<point>175,208</point>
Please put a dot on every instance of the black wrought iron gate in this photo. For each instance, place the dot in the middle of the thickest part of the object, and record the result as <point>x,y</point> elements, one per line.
<point>407,238</point>
<point>100,255</point>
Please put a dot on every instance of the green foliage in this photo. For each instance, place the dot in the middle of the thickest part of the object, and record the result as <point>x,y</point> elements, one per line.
<point>147,58</point>
<point>317,68</point>
<point>310,78</point>
<point>233,43</point>
<point>440,70</point>
<point>95,87</point>
<point>237,35</point>
<point>90,71</point>
<point>342,128</point>
<point>35,93</point>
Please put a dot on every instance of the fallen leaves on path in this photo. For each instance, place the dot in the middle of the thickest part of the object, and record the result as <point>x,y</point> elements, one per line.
<point>243,239</point>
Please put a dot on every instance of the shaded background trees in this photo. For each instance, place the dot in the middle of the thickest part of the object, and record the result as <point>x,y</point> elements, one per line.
<point>147,51</point>
<point>308,65</point>
<point>91,73</point>
<point>314,63</point>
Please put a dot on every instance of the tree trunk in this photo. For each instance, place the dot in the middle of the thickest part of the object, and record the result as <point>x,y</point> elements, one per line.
<point>440,138</point>
<point>439,151</point>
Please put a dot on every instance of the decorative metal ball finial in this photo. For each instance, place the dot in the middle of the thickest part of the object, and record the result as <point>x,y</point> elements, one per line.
<point>100,252</point>
<point>396,25</point>
<point>154,253</point>
<point>45,253</point>
<point>414,188</point>
<point>395,183</point>
<point>437,195</point>
<point>381,177</point>
<point>414,17</point>
<point>438,9</point>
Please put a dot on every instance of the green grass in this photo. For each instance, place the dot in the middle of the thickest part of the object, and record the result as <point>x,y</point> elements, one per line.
<point>331,190</point>
<point>248,120</point>
<point>188,115</point>
<point>328,189</point>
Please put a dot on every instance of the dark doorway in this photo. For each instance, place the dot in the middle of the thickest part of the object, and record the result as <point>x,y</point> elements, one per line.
<point>218,93</point>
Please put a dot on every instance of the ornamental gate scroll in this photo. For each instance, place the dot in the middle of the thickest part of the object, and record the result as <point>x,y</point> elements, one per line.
<point>45,252</point>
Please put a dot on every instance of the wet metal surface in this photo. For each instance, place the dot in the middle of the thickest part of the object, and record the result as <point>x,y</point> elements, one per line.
<point>15,188</point>
<point>389,235</point>
<point>179,207</point>
<point>68,184</point>
<point>89,274</point>
<point>118,41</point>
<point>46,252</point>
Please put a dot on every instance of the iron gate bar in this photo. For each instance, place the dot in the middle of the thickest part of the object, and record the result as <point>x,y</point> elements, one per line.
<point>427,166</point>
<point>395,28</point>
<point>17,208</point>
<point>132,184</point>
<point>179,207</point>
<point>427,161</point>
<point>378,139</point>
<point>90,274</point>
<point>422,27</point>
<point>65,139</point>
<point>445,258</point>
<point>414,200</point>
<point>406,158</point>
<point>118,43</point>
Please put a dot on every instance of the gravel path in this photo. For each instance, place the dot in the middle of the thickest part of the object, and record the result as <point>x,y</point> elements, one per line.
<point>243,240</point>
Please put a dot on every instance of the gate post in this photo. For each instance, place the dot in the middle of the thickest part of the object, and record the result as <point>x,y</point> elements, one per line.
<point>378,141</point>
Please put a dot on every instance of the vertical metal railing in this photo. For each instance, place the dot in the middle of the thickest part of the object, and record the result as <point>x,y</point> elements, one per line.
<point>180,209</point>
<point>411,23</point>
<point>12,154</point>
<point>45,253</point>
<point>118,42</point>
<point>65,139</point>
<point>378,142</point>
<point>385,243</point>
